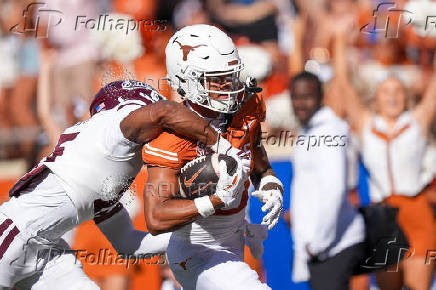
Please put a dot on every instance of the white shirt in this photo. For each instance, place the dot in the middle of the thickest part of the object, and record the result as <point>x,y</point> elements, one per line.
<point>323,220</point>
<point>395,162</point>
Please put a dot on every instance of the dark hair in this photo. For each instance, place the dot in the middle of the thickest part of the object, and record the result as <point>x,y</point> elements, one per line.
<point>305,75</point>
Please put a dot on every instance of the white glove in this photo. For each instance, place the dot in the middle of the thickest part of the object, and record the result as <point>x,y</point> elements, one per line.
<point>254,236</point>
<point>228,188</point>
<point>272,200</point>
<point>223,146</point>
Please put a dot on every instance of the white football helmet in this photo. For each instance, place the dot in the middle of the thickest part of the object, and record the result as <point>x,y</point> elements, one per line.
<point>204,66</point>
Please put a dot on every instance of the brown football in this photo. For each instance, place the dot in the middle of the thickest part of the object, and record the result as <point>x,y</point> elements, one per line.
<point>200,176</point>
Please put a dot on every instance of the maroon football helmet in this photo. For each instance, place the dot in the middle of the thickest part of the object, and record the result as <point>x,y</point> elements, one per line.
<point>127,91</point>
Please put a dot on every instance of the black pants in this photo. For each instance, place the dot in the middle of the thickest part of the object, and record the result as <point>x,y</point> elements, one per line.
<point>335,272</point>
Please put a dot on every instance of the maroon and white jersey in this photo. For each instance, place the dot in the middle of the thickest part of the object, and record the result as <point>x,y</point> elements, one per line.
<point>93,160</point>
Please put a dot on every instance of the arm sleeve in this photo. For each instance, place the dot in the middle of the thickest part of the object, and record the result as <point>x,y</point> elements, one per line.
<point>120,232</point>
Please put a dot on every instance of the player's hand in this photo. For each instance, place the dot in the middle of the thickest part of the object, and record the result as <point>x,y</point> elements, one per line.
<point>254,236</point>
<point>228,188</point>
<point>273,202</point>
<point>224,147</point>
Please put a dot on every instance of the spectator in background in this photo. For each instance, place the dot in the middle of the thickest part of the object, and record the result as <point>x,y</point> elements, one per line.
<point>254,19</point>
<point>44,102</point>
<point>421,34</point>
<point>150,65</point>
<point>22,99</point>
<point>21,65</point>
<point>117,52</point>
<point>251,21</point>
<point>328,232</point>
<point>189,12</point>
<point>394,142</point>
<point>74,67</point>
<point>258,64</point>
<point>8,70</point>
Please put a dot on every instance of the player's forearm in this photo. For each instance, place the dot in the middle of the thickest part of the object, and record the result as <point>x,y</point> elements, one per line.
<point>173,213</point>
<point>262,167</point>
<point>169,214</point>
<point>148,122</point>
<point>256,176</point>
<point>178,118</point>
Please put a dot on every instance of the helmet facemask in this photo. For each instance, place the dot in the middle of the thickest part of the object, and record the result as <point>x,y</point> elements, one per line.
<point>218,91</point>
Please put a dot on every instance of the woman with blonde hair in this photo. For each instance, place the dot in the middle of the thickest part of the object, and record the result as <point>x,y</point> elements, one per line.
<point>393,143</point>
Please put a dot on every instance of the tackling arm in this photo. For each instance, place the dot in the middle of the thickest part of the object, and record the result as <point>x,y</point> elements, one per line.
<point>148,122</point>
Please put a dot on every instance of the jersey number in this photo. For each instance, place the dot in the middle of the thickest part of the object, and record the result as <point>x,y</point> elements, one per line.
<point>59,150</point>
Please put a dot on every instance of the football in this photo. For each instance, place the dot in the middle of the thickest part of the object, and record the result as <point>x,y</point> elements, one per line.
<point>200,176</point>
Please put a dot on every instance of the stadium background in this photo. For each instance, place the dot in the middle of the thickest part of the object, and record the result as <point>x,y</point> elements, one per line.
<point>276,39</point>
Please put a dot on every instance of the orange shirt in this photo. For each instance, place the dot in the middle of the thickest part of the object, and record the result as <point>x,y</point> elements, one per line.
<point>174,151</point>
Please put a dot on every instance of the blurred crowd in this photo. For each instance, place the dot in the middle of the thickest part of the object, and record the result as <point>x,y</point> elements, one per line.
<point>47,83</point>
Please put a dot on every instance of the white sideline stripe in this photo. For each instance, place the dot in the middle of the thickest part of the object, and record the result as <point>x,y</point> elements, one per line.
<point>160,150</point>
<point>160,155</point>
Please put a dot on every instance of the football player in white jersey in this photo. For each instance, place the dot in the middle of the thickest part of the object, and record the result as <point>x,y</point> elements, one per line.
<point>205,251</point>
<point>92,165</point>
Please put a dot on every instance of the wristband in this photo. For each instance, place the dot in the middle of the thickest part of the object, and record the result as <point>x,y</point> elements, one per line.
<point>204,206</point>
<point>269,179</point>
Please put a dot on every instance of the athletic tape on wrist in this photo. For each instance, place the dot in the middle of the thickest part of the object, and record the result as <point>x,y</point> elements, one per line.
<point>204,206</point>
<point>269,179</point>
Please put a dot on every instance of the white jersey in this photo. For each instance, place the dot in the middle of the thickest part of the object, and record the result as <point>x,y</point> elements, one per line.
<point>94,162</point>
<point>394,162</point>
